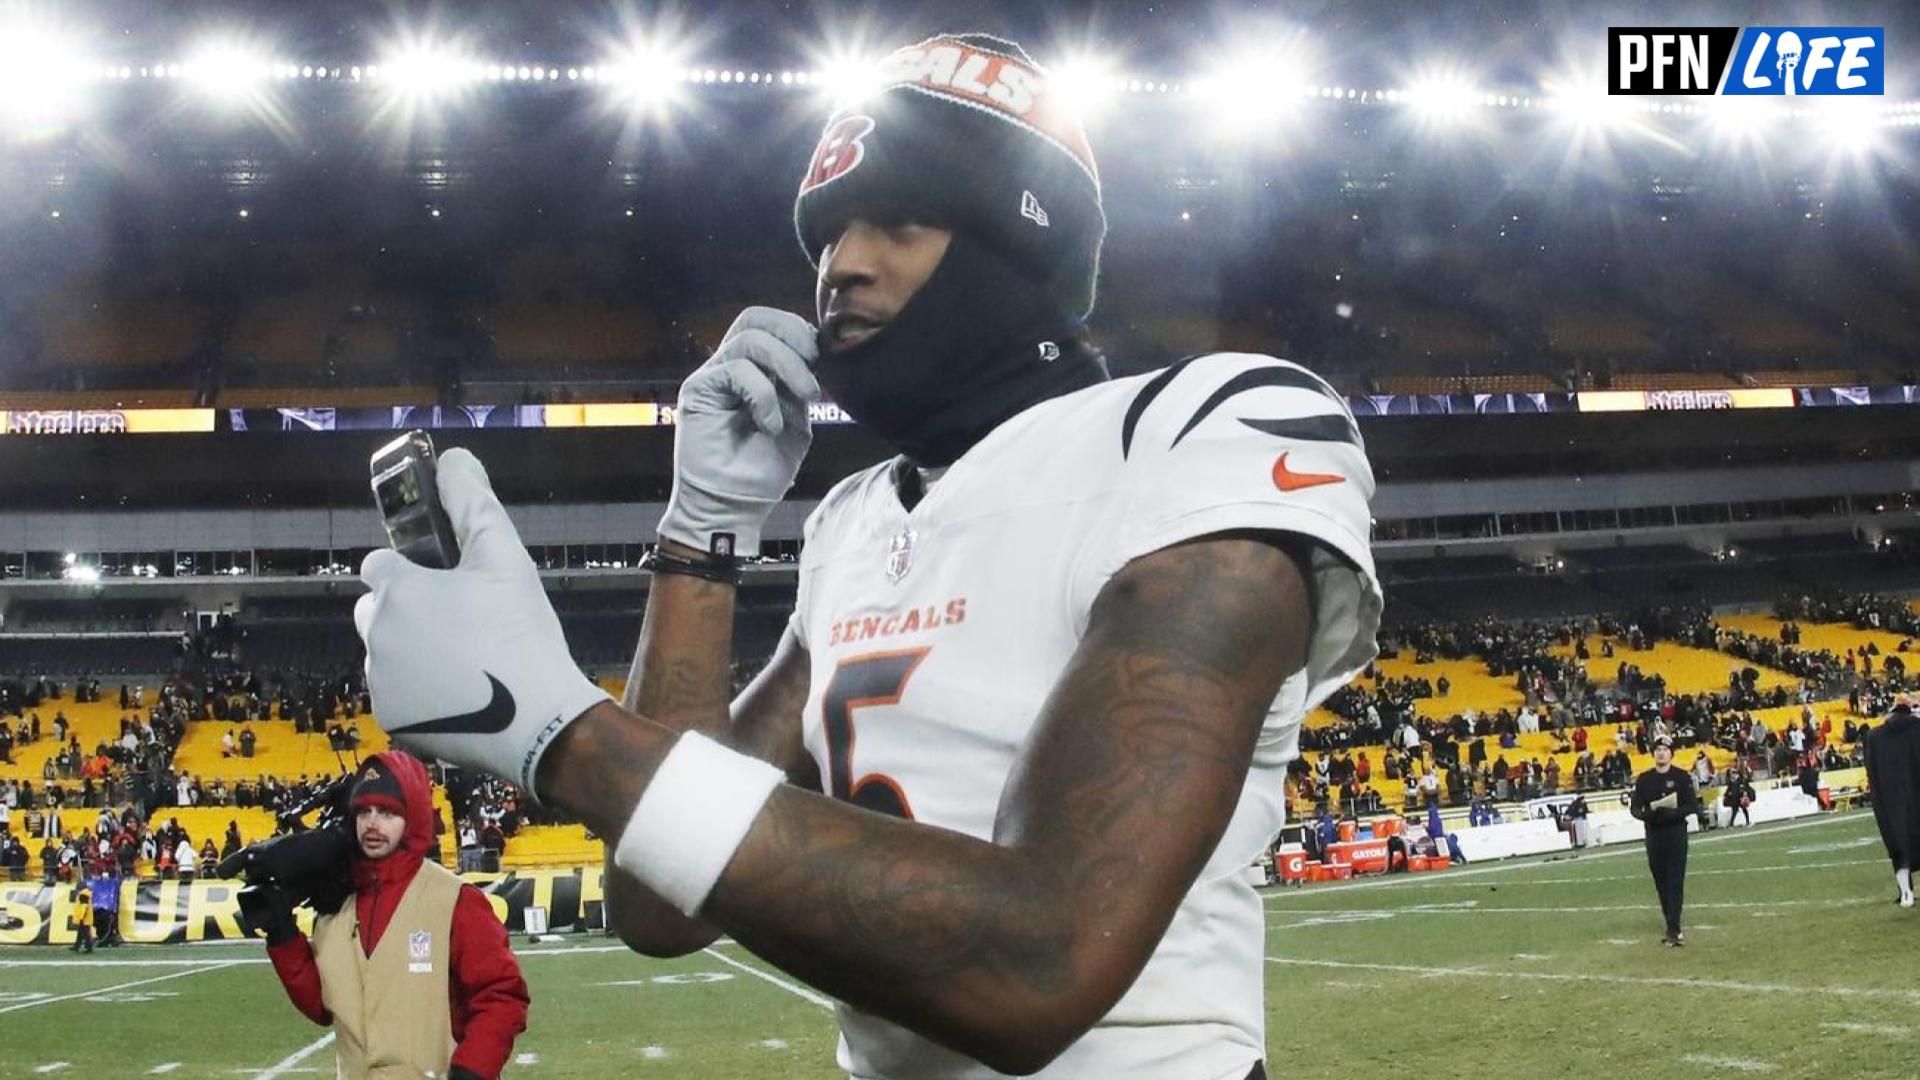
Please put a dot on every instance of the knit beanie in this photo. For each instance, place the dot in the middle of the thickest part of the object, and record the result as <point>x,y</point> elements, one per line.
<point>965,128</point>
<point>377,786</point>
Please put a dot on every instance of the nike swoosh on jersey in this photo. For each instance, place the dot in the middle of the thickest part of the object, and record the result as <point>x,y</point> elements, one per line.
<point>1287,480</point>
<point>490,719</point>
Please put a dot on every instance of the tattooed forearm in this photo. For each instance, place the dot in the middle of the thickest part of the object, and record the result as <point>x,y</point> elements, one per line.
<point>683,664</point>
<point>1008,950</point>
<point>1129,780</point>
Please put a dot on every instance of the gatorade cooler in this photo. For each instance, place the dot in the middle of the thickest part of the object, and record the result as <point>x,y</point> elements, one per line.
<point>1291,864</point>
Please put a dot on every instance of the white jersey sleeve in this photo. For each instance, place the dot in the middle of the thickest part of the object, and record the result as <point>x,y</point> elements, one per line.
<point>1237,441</point>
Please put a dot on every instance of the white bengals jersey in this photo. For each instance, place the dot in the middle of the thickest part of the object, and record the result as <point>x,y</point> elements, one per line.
<point>936,634</point>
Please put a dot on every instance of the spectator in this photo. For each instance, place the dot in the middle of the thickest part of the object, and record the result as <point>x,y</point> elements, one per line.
<point>185,860</point>
<point>82,919</point>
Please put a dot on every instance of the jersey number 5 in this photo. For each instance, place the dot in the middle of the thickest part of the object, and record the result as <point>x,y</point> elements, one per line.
<point>873,679</point>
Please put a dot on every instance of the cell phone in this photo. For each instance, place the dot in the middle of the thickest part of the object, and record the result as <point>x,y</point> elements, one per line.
<point>407,494</point>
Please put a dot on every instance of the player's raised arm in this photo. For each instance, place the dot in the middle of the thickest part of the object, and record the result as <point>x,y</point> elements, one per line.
<point>740,434</point>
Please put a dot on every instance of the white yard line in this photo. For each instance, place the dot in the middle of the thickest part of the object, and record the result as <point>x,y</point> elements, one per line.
<point>163,1069</point>
<point>292,1061</point>
<point>109,989</point>
<point>1905,997</point>
<point>790,987</point>
<point>1884,1031</point>
<point>1737,1064</point>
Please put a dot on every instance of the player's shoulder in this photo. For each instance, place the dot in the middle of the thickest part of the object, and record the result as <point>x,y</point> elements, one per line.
<point>1227,395</point>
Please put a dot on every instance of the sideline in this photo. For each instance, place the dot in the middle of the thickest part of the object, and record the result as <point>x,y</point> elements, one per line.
<point>1274,892</point>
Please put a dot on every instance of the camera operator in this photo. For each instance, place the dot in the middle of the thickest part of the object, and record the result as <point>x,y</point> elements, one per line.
<point>414,971</point>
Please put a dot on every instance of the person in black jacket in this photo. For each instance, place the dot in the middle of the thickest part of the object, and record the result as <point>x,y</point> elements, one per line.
<point>1664,798</point>
<point>1893,774</point>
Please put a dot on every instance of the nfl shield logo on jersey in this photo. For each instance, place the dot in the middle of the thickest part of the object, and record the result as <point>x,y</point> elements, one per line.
<point>420,951</point>
<point>900,556</point>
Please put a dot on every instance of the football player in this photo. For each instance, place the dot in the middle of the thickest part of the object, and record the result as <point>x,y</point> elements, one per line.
<point>998,787</point>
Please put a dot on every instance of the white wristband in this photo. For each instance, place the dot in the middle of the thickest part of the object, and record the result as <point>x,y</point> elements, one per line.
<point>692,817</point>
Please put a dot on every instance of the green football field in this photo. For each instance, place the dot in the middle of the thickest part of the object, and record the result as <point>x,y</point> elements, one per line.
<point>1798,964</point>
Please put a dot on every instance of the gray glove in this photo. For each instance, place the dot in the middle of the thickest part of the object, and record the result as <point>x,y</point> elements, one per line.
<point>741,433</point>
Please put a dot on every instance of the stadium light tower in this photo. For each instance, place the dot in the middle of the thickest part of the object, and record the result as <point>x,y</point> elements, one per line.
<point>422,72</point>
<point>644,75</point>
<point>1251,93</point>
<point>1586,107</point>
<point>848,77</point>
<point>1087,84</point>
<point>1741,121</point>
<point>1851,129</point>
<point>228,72</point>
<point>1444,98</point>
<point>43,76</point>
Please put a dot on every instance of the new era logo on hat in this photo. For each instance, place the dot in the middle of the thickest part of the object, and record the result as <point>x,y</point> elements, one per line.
<point>1031,209</point>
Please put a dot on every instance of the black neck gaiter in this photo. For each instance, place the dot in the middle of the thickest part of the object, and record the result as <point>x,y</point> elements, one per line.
<point>975,345</point>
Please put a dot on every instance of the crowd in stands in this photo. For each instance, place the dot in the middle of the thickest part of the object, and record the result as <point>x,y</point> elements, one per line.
<point>1448,759</point>
<point>1867,611</point>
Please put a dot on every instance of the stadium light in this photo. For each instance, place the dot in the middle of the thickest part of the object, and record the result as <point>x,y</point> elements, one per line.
<point>43,77</point>
<point>1850,129</point>
<point>1583,104</point>
<point>1251,92</point>
<point>423,72</point>
<point>227,72</point>
<point>1085,85</point>
<point>1741,121</point>
<point>644,75</point>
<point>1444,98</point>
<point>848,77</point>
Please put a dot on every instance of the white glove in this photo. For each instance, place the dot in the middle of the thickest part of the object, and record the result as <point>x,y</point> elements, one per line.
<point>469,665</point>
<point>1666,802</point>
<point>741,433</point>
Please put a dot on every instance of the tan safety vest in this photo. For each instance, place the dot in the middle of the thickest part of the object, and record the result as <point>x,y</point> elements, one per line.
<point>391,1018</point>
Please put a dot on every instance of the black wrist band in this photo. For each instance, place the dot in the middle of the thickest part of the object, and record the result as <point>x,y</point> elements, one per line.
<point>723,570</point>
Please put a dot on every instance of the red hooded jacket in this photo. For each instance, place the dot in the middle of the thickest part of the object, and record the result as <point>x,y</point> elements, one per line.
<point>487,995</point>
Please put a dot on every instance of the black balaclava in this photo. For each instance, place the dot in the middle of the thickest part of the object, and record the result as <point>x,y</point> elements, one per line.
<point>975,345</point>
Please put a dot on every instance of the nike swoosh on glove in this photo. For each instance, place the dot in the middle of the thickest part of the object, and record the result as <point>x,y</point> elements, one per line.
<point>741,432</point>
<point>469,665</point>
